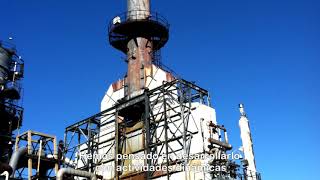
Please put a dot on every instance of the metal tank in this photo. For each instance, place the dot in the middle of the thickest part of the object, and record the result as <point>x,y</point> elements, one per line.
<point>5,58</point>
<point>11,72</point>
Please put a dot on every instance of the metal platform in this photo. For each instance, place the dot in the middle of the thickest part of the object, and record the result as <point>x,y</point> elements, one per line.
<point>129,25</point>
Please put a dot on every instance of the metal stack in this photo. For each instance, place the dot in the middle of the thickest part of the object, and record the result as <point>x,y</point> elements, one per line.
<point>11,112</point>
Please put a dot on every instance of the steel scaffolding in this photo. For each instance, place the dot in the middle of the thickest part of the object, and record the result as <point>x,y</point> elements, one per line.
<point>41,158</point>
<point>151,108</point>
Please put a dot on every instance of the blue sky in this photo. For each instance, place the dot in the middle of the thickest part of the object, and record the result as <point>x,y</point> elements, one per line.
<point>262,53</point>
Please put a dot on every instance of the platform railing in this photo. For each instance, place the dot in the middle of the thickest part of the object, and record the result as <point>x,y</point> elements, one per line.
<point>137,15</point>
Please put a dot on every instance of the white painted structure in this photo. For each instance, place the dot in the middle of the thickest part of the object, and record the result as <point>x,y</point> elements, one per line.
<point>201,116</point>
<point>247,145</point>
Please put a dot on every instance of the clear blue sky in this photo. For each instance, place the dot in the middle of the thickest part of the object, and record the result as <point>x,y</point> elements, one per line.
<point>262,53</point>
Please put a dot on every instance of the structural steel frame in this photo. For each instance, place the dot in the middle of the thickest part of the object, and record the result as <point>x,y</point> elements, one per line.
<point>160,129</point>
<point>155,104</point>
<point>38,145</point>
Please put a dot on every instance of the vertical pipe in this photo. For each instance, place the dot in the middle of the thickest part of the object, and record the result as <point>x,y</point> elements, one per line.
<point>55,155</point>
<point>201,98</point>
<point>16,147</point>
<point>209,99</point>
<point>39,156</point>
<point>29,153</point>
<point>226,137</point>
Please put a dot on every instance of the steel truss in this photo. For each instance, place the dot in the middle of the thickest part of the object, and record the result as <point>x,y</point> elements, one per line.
<point>165,113</point>
<point>81,137</point>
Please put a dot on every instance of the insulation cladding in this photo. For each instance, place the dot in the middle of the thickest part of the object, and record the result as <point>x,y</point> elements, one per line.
<point>200,118</point>
<point>247,144</point>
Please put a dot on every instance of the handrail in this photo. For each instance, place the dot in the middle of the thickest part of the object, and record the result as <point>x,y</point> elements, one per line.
<point>131,16</point>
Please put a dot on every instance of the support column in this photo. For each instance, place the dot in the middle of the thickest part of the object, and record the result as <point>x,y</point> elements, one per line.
<point>29,153</point>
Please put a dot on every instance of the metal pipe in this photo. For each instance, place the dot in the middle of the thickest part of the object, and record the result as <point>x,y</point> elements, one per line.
<point>15,159</point>
<point>66,160</point>
<point>75,172</point>
<point>5,173</point>
<point>220,143</point>
<point>226,137</point>
<point>39,156</point>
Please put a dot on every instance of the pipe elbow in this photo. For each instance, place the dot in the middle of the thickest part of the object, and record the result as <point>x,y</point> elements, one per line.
<point>74,172</point>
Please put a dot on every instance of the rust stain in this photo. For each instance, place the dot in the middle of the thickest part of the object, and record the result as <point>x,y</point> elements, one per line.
<point>139,64</point>
<point>169,77</point>
<point>116,86</point>
<point>134,176</point>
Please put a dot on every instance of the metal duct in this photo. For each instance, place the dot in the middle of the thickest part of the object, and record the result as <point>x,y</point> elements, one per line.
<point>15,159</point>
<point>222,144</point>
<point>75,172</point>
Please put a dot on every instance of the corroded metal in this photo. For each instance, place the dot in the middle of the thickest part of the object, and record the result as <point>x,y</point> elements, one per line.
<point>139,50</point>
<point>139,62</point>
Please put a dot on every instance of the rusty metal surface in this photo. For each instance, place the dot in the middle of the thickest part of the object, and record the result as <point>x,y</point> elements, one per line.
<point>139,51</point>
<point>169,77</point>
<point>134,176</point>
<point>118,85</point>
<point>139,62</point>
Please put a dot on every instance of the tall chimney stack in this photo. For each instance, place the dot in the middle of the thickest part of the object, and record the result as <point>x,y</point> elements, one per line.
<point>139,54</point>
<point>247,145</point>
<point>138,33</point>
